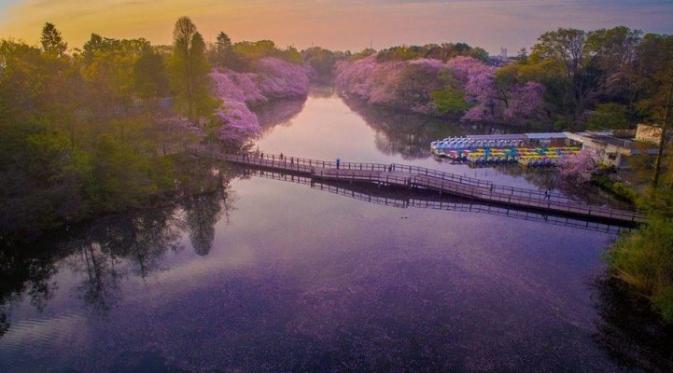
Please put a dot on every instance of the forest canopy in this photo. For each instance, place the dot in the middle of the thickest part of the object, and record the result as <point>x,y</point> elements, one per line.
<point>96,129</point>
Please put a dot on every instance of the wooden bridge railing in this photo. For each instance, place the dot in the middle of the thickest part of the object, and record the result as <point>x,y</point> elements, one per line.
<point>300,164</point>
<point>433,179</point>
<point>303,164</point>
<point>522,200</point>
<point>406,201</point>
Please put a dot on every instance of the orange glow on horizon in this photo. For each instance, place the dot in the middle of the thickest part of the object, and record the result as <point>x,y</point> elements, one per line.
<point>335,24</point>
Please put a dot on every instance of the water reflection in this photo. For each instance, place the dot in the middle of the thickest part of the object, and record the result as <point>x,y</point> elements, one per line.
<point>404,133</point>
<point>107,251</point>
<point>630,331</point>
<point>202,212</point>
<point>298,279</point>
<point>23,274</point>
<point>392,301</point>
<point>404,198</point>
<point>409,134</point>
<point>322,91</point>
<point>278,112</point>
<point>113,248</point>
<point>25,271</point>
<point>551,179</point>
<point>4,323</point>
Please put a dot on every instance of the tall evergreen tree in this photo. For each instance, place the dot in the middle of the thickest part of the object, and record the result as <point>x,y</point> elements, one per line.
<point>189,71</point>
<point>223,41</point>
<point>52,42</point>
<point>222,53</point>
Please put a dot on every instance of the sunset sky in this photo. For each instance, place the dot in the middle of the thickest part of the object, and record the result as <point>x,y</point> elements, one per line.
<point>335,24</point>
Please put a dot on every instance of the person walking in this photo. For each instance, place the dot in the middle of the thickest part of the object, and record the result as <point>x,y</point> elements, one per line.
<point>338,163</point>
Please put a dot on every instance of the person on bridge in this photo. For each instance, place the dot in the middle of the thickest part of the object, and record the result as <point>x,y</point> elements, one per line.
<point>338,162</point>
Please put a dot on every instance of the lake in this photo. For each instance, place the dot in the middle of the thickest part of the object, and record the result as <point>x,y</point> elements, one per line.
<point>272,273</point>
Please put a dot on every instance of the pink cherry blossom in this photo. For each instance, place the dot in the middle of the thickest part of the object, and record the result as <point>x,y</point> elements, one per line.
<point>409,85</point>
<point>527,100</point>
<point>242,87</point>
<point>281,79</point>
<point>580,166</point>
<point>273,79</point>
<point>239,122</point>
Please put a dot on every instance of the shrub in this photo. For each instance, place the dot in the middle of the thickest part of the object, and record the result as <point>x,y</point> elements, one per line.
<point>644,260</point>
<point>608,116</point>
<point>449,100</point>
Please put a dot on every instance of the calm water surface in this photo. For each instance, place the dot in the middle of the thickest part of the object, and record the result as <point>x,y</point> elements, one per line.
<point>273,275</point>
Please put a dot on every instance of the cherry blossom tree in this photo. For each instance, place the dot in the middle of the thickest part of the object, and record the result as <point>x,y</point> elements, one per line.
<point>240,123</point>
<point>411,85</point>
<point>391,83</point>
<point>273,79</point>
<point>580,166</point>
<point>282,79</point>
<point>527,101</point>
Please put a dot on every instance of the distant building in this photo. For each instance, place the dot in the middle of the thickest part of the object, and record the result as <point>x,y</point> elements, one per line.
<point>612,150</point>
<point>500,60</point>
<point>648,133</point>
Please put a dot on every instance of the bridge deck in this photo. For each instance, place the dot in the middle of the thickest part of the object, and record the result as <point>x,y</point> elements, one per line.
<point>416,198</point>
<point>424,178</point>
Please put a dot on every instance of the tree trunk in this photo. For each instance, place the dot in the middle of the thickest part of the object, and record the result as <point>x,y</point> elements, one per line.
<point>662,140</point>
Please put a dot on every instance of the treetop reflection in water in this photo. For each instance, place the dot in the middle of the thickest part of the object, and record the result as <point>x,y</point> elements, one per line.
<point>246,273</point>
<point>328,126</point>
<point>394,289</point>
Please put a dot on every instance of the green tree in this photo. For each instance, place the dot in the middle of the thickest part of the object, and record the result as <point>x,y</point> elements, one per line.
<point>52,42</point>
<point>613,55</point>
<point>645,261</point>
<point>450,98</point>
<point>221,53</point>
<point>655,79</point>
<point>109,71</point>
<point>189,69</point>
<point>608,116</point>
<point>223,41</point>
<point>566,49</point>
<point>151,78</point>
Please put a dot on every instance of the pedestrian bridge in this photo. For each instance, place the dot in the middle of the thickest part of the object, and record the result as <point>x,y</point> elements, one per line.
<point>413,177</point>
<point>419,199</point>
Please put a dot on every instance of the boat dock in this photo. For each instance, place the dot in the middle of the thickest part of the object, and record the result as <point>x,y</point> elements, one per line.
<point>527,149</point>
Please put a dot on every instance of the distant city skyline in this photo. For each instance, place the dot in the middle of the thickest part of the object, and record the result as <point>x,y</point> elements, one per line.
<point>334,24</point>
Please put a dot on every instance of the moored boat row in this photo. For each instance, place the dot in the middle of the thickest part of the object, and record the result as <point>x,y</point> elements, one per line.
<point>526,149</point>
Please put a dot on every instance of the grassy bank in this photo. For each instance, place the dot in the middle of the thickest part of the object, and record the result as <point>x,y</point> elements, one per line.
<point>644,260</point>
<point>618,189</point>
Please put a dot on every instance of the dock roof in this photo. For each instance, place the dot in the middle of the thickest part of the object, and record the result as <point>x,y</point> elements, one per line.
<point>520,136</point>
<point>501,136</point>
<point>546,135</point>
